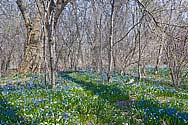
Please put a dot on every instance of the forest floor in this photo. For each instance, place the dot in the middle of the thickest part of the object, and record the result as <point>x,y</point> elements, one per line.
<point>85,98</point>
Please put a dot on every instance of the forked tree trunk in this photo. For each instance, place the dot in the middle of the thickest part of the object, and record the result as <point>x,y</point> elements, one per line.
<point>41,36</point>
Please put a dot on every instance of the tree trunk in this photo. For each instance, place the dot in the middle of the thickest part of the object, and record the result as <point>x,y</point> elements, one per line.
<point>158,60</point>
<point>110,53</point>
<point>139,56</point>
<point>41,28</point>
<point>32,58</point>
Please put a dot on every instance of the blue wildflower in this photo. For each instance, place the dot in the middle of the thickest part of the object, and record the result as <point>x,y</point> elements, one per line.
<point>161,88</point>
<point>29,107</point>
<point>66,87</point>
<point>36,104</point>
<point>146,110</point>
<point>161,111</point>
<point>171,111</point>
<point>4,93</point>
<point>183,116</point>
<point>172,90</point>
<point>67,114</point>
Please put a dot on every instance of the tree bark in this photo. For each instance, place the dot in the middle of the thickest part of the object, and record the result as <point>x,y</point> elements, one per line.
<point>158,60</point>
<point>110,53</point>
<point>32,56</point>
<point>35,49</point>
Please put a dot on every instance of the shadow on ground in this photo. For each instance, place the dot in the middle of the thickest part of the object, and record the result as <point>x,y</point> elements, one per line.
<point>9,114</point>
<point>150,109</point>
<point>109,92</point>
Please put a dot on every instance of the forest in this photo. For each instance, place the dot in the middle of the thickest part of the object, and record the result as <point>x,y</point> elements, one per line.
<point>93,62</point>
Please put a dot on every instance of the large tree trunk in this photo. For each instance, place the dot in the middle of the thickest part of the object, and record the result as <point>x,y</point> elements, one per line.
<point>33,48</point>
<point>41,36</point>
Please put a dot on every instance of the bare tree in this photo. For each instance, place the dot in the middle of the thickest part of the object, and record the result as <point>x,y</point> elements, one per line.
<point>46,17</point>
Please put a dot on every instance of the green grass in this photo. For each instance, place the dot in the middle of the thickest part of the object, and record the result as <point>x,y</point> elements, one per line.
<point>85,98</point>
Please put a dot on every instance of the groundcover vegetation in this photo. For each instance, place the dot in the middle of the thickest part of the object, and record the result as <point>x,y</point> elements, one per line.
<point>85,98</point>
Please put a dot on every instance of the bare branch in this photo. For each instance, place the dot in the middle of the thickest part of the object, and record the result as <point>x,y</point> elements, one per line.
<point>60,4</point>
<point>24,13</point>
<point>129,30</point>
